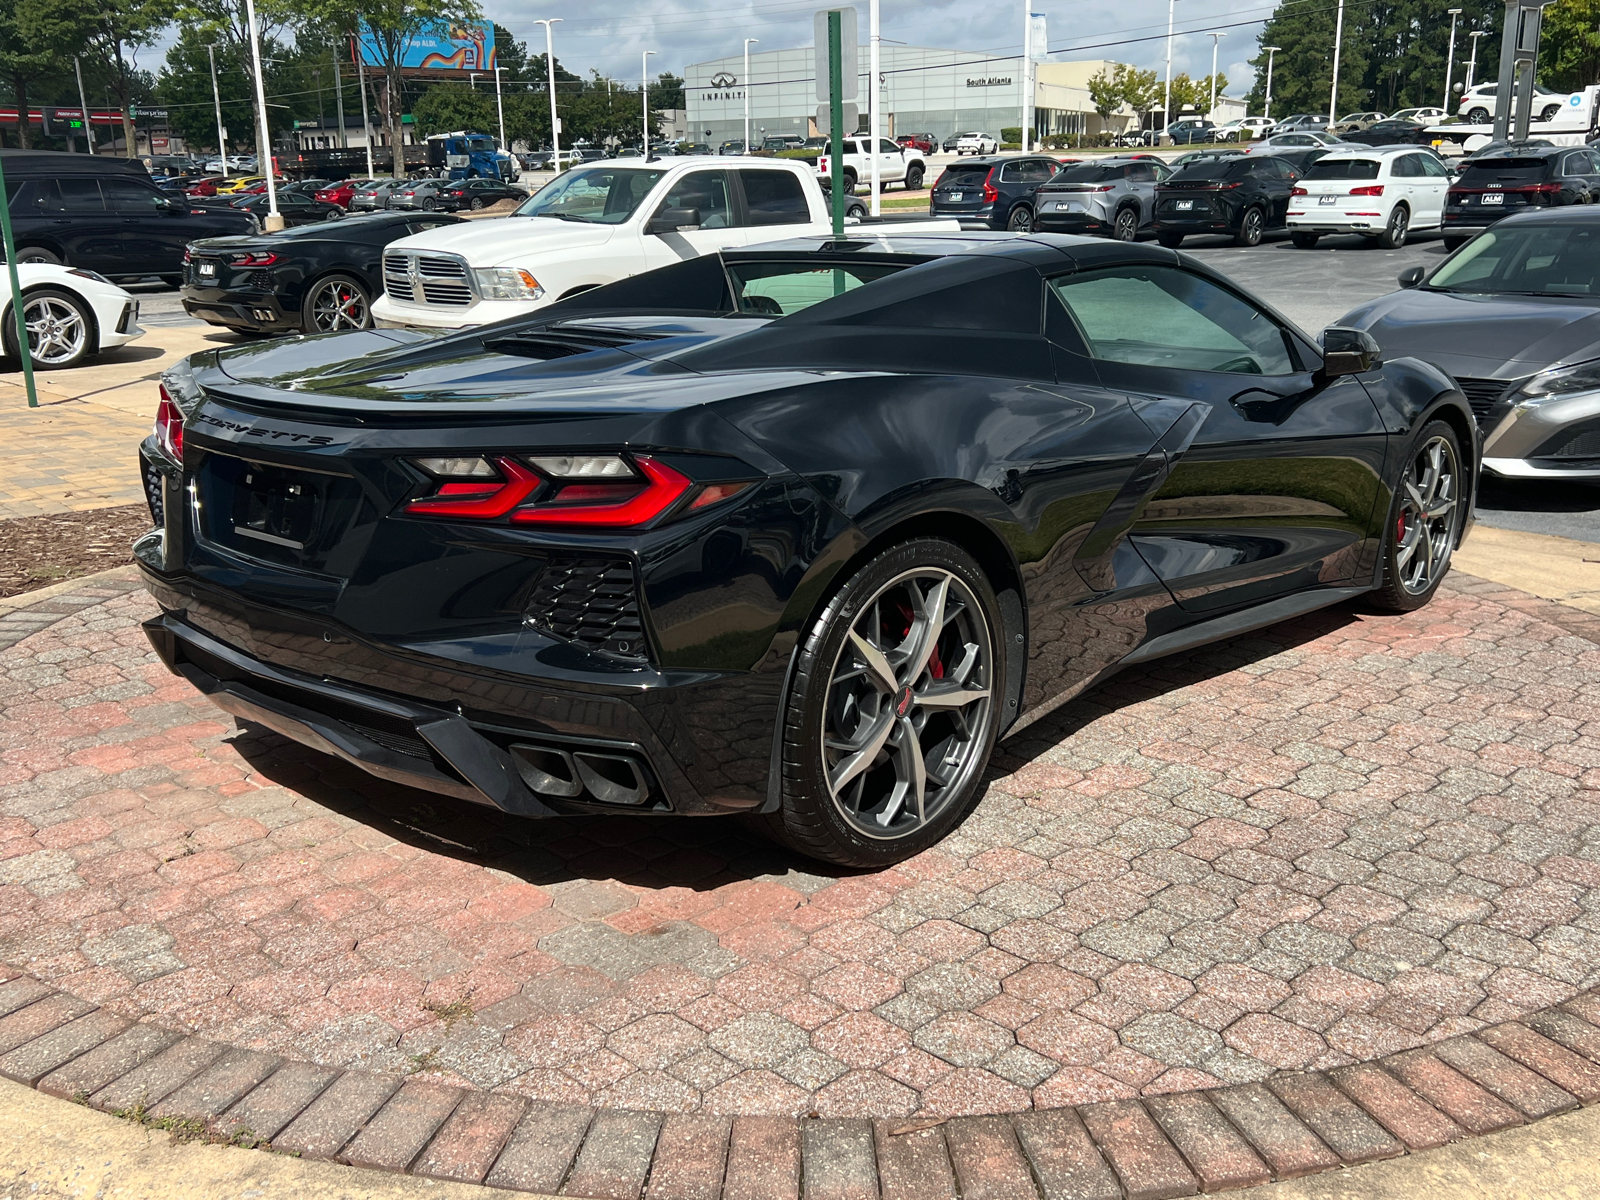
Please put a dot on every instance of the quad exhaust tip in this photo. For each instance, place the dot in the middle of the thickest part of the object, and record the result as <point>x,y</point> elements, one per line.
<point>582,774</point>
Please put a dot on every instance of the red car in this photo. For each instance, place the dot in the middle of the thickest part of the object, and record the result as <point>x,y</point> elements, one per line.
<point>922,142</point>
<point>340,193</point>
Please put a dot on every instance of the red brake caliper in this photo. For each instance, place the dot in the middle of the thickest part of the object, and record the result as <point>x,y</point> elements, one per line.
<point>935,663</point>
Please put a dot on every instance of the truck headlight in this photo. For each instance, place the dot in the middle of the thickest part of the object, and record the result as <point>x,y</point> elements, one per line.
<point>507,283</point>
<point>1562,383</point>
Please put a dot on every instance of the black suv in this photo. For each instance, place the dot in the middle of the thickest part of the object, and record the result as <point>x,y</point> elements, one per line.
<point>992,193</point>
<point>1515,181</point>
<point>1246,197</point>
<point>105,215</point>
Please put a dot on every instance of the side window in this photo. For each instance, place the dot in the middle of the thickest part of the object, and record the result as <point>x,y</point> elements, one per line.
<point>1400,167</point>
<point>1012,172</point>
<point>774,198</point>
<point>1157,316</point>
<point>1141,172</point>
<point>885,146</point>
<point>42,195</point>
<point>81,196</point>
<point>705,191</point>
<point>1037,170</point>
<point>1576,163</point>
<point>1432,167</point>
<point>127,196</point>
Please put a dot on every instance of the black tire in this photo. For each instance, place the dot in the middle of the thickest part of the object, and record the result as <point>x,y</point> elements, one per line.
<point>1251,226</point>
<point>1170,240</point>
<point>1549,112</point>
<point>172,281</point>
<point>1478,116</point>
<point>1305,241</point>
<point>1395,230</point>
<point>811,820</point>
<point>913,178</point>
<point>1454,243</point>
<point>1125,227</point>
<point>477,204</point>
<point>37,254</point>
<point>1401,591</point>
<point>68,309</point>
<point>429,204</point>
<point>855,208</point>
<point>336,303</point>
<point>1020,219</point>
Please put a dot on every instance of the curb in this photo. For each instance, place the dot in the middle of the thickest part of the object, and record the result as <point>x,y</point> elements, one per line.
<point>28,599</point>
<point>1157,1147</point>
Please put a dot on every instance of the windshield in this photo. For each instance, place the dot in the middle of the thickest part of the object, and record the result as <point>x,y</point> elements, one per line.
<point>776,289</point>
<point>1344,168</point>
<point>596,195</point>
<point>1539,260</point>
<point>1088,173</point>
<point>1504,170</point>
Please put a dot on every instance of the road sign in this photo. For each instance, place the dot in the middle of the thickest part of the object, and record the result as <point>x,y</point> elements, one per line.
<point>852,120</point>
<point>848,44</point>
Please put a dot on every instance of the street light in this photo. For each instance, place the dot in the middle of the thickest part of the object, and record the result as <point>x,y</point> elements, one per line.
<point>1450,58</point>
<point>472,80</point>
<point>1338,44</point>
<point>274,222</point>
<point>1215,38</point>
<point>747,44</point>
<point>550,78</point>
<point>88,125</point>
<point>1271,50</point>
<point>1472,64</point>
<point>216,96</point>
<point>644,99</point>
<point>875,99</point>
<point>499,107</point>
<point>1166,99</point>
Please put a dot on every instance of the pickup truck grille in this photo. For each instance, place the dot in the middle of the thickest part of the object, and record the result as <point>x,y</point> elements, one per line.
<point>427,279</point>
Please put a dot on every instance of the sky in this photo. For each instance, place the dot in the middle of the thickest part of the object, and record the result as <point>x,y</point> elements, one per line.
<point>611,34</point>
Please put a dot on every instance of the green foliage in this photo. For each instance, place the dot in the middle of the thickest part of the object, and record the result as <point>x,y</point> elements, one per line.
<point>443,108</point>
<point>1195,93</point>
<point>667,91</point>
<point>1140,90</point>
<point>1569,46</point>
<point>1012,133</point>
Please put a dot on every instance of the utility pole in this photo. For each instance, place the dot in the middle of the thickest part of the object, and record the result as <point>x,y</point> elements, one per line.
<point>1450,58</point>
<point>88,125</point>
<point>1271,50</point>
<point>747,43</point>
<point>274,221</point>
<point>338,92</point>
<point>216,97</point>
<point>1215,38</point>
<point>1166,100</point>
<point>644,98</point>
<point>550,78</point>
<point>1338,44</point>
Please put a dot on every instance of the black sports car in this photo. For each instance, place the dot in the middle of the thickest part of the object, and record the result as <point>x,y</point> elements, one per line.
<point>318,278</point>
<point>796,531</point>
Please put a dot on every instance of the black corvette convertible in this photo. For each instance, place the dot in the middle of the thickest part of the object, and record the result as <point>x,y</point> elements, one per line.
<point>796,531</point>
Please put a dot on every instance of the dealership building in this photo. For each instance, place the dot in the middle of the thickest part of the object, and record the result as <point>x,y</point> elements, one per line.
<point>923,91</point>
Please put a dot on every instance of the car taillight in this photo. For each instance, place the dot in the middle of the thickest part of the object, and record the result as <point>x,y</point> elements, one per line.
<point>169,426</point>
<point>1298,191</point>
<point>594,490</point>
<point>253,258</point>
<point>1106,187</point>
<point>1375,189</point>
<point>188,256</point>
<point>611,503</point>
<point>990,192</point>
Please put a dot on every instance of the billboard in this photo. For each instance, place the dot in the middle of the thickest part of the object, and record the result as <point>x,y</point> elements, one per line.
<point>452,47</point>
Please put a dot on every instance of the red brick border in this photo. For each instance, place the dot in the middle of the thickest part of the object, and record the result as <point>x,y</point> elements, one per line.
<point>1149,1149</point>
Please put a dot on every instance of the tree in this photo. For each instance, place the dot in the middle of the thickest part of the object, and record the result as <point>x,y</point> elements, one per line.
<point>667,91</point>
<point>445,107</point>
<point>1569,45</point>
<point>1105,93</point>
<point>1139,90</point>
<point>27,57</point>
<point>112,31</point>
<point>1195,93</point>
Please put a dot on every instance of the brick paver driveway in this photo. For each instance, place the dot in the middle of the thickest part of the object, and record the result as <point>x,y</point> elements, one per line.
<point>1313,846</point>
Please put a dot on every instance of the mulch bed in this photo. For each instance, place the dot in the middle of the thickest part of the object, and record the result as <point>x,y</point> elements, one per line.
<point>38,551</point>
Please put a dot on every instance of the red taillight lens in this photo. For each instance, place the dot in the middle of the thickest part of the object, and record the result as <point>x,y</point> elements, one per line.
<point>481,498</point>
<point>169,426</point>
<point>1375,189</point>
<point>990,192</point>
<point>607,507</point>
<point>1298,191</point>
<point>254,258</point>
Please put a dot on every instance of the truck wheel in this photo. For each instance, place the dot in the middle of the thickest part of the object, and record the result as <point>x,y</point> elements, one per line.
<point>914,178</point>
<point>849,181</point>
<point>1478,116</point>
<point>37,254</point>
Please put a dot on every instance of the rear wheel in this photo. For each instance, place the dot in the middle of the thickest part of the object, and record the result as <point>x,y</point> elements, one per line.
<point>60,328</point>
<point>37,254</point>
<point>1394,232</point>
<point>913,178</point>
<point>429,204</point>
<point>1549,113</point>
<point>1454,243</point>
<point>335,303</point>
<point>1423,520</point>
<point>1251,226</point>
<point>1021,219</point>
<point>1126,227</point>
<point>1478,116</point>
<point>891,715</point>
<point>1305,241</point>
<point>1170,240</point>
<point>477,204</point>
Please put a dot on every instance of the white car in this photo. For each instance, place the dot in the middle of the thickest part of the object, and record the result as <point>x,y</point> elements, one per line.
<point>976,143</point>
<point>1476,106</point>
<point>71,314</point>
<point>1422,116</point>
<point>1246,128</point>
<point>1380,192</point>
<point>593,225</point>
<point>1295,139</point>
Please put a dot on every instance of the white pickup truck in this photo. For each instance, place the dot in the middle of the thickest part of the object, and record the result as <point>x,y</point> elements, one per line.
<point>896,164</point>
<point>594,225</point>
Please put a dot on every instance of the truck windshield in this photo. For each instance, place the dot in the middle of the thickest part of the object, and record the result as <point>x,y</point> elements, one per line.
<point>597,195</point>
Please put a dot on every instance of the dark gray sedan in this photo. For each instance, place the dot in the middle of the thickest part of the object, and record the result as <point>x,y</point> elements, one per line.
<point>1514,315</point>
<point>375,195</point>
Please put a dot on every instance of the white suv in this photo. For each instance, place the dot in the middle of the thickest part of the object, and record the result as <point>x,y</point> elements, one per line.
<point>1380,192</point>
<point>590,226</point>
<point>976,143</point>
<point>1477,105</point>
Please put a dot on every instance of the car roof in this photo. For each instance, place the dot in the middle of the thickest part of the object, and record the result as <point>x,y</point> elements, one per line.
<point>1524,152</point>
<point>34,164</point>
<point>1345,151</point>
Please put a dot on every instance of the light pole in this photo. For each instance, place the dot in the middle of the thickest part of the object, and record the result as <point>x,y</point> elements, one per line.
<point>366,117</point>
<point>1338,44</point>
<point>338,89</point>
<point>644,99</point>
<point>1166,98</point>
<point>549,24</point>
<point>1450,58</point>
<point>274,221</point>
<point>874,98</point>
<point>747,44</point>
<point>500,107</point>
<point>472,80</point>
<point>88,125</point>
<point>1215,38</point>
<point>216,97</point>
<point>1271,50</point>
<point>1472,63</point>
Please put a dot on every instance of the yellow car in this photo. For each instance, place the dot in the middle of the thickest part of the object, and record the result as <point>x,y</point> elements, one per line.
<point>237,183</point>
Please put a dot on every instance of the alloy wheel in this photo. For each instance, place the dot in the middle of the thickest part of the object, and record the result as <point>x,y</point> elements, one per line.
<point>1021,220</point>
<point>908,704</point>
<point>337,305</point>
<point>57,331</point>
<point>1399,226</point>
<point>1127,228</point>
<point>1425,529</point>
<point>1250,228</point>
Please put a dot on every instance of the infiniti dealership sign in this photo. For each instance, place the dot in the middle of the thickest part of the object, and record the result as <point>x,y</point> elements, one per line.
<point>726,87</point>
<point>990,81</point>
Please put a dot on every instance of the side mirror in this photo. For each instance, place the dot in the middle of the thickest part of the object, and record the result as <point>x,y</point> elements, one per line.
<point>674,220</point>
<point>1412,276</point>
<point>1348,351</point>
